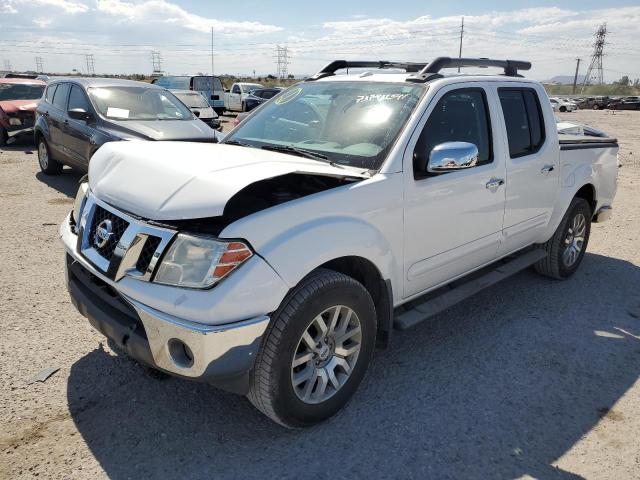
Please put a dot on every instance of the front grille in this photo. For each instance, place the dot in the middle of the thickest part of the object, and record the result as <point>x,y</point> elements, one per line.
<point>147,253</point>
<point>118,226</point>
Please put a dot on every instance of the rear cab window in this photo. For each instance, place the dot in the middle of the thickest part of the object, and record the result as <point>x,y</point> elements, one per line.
<point>523,120</point>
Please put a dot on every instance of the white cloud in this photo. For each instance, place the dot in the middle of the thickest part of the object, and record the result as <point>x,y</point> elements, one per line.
<point>68,6</point>
<point>163,12</point>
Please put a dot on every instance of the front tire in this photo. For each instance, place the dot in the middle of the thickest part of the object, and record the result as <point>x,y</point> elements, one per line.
<point>568,245</point>
<point>316,350</point>
<point>563,109</point>
<point>48,164</point>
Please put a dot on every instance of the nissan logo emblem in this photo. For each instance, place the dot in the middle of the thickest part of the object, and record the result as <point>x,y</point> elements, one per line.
<point>103,234</point>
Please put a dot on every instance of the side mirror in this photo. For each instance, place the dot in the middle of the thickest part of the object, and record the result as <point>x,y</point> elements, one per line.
<point>79,114</point>
<point>451,156</point>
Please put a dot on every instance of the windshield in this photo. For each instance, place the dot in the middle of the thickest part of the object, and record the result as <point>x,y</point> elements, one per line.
<point>351,123</point>
<point>138,103</point>
<point>247,87</point>
<point>192,100</point>
<point>20,91</point>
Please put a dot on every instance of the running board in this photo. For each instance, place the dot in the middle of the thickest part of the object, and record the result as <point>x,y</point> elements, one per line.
<point>457,294</point>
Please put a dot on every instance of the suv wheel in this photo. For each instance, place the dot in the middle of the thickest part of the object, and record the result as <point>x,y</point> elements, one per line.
<point>567,247</point>
<point>315,351</point>
<point>48,164</point>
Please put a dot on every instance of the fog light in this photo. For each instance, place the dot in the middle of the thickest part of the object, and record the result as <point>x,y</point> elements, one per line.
<point>180,353</point>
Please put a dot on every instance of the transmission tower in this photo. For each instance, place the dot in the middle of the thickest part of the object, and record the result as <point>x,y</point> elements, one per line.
<point>90,64</point>
<point>282,60</point>
<point>595,72</point>
<point>156,60</point>
<point>39,64</point>
<point>7,65</point>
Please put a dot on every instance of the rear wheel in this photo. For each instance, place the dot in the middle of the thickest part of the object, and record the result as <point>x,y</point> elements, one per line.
<point>563,109</point>
<point>567,247</point>
<point>48,164</point>
<point>316,350</point>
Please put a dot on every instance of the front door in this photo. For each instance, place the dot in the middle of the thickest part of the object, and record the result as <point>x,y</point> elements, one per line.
<point>78,133</point>
<point>453,220</point>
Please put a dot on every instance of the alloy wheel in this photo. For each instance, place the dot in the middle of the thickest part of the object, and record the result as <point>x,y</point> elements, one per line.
<point>43,155</point>
<point>326,354</point>
<point>574,240</point>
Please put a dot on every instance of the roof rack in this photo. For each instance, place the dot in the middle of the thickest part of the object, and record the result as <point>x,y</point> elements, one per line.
<point>423,72</point>
<point>331,68</point>
<point>431,71</point>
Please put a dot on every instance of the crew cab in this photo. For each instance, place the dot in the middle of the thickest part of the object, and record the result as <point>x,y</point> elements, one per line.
<point>234,99</point>
<point>271,264</point>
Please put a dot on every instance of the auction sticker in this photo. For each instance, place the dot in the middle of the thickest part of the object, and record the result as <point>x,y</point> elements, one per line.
<point>288,96</point>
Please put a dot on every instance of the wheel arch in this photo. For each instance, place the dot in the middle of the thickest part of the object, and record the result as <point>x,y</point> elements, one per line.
<point>365,272</point>
<point>588,192</point>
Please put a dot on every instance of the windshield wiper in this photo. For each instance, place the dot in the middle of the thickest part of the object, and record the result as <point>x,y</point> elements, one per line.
<point>301,152</point>
<point>236,142</point>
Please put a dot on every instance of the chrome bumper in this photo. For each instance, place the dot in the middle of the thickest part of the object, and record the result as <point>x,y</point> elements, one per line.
<point>189,349</point>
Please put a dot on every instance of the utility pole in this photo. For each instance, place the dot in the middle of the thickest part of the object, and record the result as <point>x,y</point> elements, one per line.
<point>91,71</point>
<point>595,70</point>
<point>575,77</point>
<point>7,65</point>
<point>282,60</point>
<point>39,64</point>
<point>461,35</point>
<point>211,58</point>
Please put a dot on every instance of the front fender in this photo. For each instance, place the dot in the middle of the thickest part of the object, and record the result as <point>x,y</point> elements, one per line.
<point>295,252</point>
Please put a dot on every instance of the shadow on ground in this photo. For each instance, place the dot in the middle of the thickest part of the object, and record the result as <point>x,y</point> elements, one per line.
<point>497,387</point>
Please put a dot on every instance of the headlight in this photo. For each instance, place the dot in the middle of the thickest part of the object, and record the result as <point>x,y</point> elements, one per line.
<point>78,204</point>
<point>200,262</point>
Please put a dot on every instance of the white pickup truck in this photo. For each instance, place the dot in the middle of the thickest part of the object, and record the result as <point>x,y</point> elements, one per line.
<point>272,264</point>
<point>235,97</point>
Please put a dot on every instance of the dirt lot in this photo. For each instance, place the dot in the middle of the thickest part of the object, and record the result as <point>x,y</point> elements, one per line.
<point>532,378</point>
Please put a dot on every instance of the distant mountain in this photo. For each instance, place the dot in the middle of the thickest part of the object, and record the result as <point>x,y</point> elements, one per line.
<point>564,79</point>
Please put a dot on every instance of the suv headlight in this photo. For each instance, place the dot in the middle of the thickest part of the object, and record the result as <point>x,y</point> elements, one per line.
<point>200,262</point>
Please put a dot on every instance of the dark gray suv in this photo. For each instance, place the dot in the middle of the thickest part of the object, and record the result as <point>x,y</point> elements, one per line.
<point>78,115</point>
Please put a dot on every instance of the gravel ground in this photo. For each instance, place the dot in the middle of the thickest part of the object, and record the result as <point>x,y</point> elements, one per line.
<point>530,379</point>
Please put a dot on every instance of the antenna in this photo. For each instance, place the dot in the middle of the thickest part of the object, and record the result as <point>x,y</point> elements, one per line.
<point>595,72</point>
<point>90,64</point>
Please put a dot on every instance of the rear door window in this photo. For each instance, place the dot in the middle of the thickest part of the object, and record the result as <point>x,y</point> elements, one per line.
<point>50,91</point>
<point>523,120</point>
<point>60,97</point>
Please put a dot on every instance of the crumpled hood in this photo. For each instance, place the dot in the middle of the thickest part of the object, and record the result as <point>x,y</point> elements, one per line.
<point>12,106</point>
<point>181,180</point>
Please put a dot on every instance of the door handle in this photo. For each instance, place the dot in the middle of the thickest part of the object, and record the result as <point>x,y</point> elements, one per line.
<point>547,169</point>
<point>494,183</point>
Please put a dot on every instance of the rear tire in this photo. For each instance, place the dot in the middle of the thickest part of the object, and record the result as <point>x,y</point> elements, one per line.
<point>316,350</point>
<point>48,164</point>
<point>568,245</point>
<point>563,109</point>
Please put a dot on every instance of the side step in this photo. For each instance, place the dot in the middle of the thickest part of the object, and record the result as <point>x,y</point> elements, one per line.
<point>450,297</point>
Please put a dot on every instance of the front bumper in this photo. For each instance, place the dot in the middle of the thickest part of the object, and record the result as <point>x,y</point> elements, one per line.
<point>222,355</point>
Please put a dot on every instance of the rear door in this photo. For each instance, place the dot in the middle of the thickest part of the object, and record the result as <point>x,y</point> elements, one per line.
<point>453,220</point>
<point>532,156</point>
<point>56,118</point>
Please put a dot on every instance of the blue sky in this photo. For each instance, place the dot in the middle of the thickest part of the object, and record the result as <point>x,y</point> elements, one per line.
<point>122,33</point>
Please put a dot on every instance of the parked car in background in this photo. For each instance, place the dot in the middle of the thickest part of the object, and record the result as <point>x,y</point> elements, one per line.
<point>78,115</point>
<point>234,100</point>
<point>210,87</point>
<point>560,105</point>
<point>593,103</point>
<point>259,96</point>
<point>18,100</point>
<point>625,103</point>
<point>199,106</point>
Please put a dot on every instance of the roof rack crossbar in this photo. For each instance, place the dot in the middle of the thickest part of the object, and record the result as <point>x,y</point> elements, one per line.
<point>331,68</point>
<point>432,69</point>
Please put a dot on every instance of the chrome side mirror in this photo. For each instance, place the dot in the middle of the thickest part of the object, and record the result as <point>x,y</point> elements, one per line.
<point>450,156</point>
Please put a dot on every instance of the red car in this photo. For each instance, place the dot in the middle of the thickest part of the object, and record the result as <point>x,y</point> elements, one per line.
<point>18,100</point>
